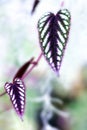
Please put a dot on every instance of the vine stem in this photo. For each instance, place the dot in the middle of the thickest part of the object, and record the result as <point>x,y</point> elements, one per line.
<point>2,94</point>
<point>25,75</point>
<point>32,67</point>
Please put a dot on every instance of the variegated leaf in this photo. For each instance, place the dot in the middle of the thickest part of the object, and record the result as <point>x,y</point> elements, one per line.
<point>16,91</point>
<point>53,34</point>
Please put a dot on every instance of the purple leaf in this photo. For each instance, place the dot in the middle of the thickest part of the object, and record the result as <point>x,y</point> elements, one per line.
<point>36,2</point>
<point>23,69</point>
<point>53,34</point>
<point>16,91</point>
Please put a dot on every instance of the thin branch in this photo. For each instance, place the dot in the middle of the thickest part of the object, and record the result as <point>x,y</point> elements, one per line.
<point>57,100</point>
<point>36,100</point>
<point>24,76</point>
<point>59,112</point>
<point>43,99</point>
<point>2,94</point>
<point>32,67</point>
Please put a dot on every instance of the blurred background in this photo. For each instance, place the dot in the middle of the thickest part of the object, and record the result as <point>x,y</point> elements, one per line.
<point>52,102</point>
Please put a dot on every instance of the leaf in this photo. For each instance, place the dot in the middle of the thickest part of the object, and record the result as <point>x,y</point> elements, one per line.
<point>16,91</point>
<point>23,69</point>
<point>36,2</point>
<point>53,34</point>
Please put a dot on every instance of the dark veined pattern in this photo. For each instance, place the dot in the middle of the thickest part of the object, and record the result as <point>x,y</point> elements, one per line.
<point>16,91</point>
<point>53,34</point>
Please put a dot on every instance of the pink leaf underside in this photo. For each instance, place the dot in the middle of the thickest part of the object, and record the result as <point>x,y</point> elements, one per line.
<point>23,69</point>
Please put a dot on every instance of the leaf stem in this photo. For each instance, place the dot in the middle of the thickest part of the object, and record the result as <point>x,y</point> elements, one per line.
<point>2,94</point>
<point>32,67</point>
<point>62,4</point>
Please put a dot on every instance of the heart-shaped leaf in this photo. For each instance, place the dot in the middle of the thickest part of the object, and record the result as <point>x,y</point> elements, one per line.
<point>16,91</point>
<point>53,34</point>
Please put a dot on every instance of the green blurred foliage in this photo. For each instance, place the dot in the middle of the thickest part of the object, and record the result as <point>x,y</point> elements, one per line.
<point>78,111</point>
